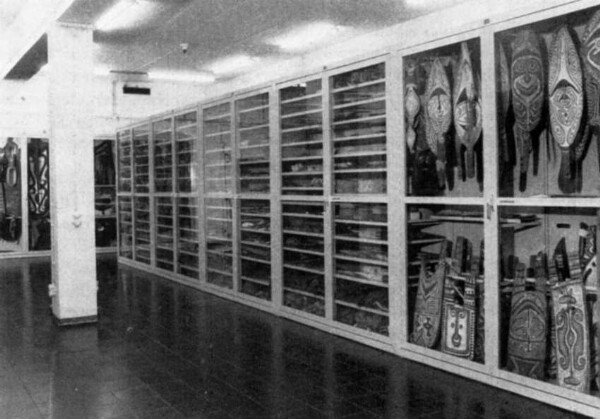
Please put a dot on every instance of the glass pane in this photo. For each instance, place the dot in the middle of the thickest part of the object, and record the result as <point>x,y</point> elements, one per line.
<point>163,155</point>
<point>361,266</point>
<point>38,196</point>
<point>303,257</point>
<point>300,90</point>
<point>548,294</point>
<point>125,160</point>
<point>105,193</point>
<point>445,271</point>
<point>142,229</point>
<point>219,244</point>
<point>217,149</point>
<point>164,240</point>
<point>255,247</point>
<point>548,139</point>
<point>444,119</point>
<point>186,139</point>
<point>302,141</point>
<point>253,142</point>
<point>125,227</point>
<point>359,141</point>
<point>141,153</point>
<point>187,231</point>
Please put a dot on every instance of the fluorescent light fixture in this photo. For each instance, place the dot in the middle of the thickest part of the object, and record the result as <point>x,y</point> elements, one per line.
<point>193,77</point>
<point>428,4</point>
<point>232,65</point>
<point>310,36</point>
<point>125,13</point>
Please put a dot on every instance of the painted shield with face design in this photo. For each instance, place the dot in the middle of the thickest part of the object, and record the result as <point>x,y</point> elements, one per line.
<point>467,108</point>
<point>565,90</point>
<point>439,115</point>
<point>527,77</point>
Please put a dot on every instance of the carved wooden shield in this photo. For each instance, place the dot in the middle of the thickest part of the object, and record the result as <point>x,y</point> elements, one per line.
<point>572,335</point>
<point>527,331</point>
<point>590,51</point>
<point>467,107</point>
<point>428,306</point>
<point>527,77</point>
<point>565,90</point>
<point>503,98</point>
<point>587,255</point>
<point>458,329</point>
<point>561,261</point>
<point>412,102</point>
<point>439,114</point>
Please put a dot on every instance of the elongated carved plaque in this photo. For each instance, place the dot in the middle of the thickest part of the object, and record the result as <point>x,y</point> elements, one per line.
<point>458,332</point>
<point>412,102</point>
<point>428,307</point>
<point>439,115</point>
<point>503,100</point>
<point>467,107</point>
<point>590,53</point>
<point>572,335</point>
<point>587,255</point>
<point>528,331</point>
<point>565,90</point>
<point>527,77</point>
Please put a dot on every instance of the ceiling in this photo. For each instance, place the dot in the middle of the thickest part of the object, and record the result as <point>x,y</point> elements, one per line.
<point>218,29</point>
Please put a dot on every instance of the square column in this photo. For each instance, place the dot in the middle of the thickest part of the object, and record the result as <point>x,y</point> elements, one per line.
<point>71,95</point>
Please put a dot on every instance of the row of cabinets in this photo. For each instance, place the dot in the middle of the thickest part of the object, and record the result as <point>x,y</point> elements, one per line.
<point>386,202</point>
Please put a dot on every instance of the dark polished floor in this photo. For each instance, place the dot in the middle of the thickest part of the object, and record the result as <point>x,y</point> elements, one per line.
<point>161,350</point>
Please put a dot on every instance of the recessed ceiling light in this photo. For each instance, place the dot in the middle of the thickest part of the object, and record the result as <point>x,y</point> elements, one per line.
<point>309,36</point>
<point>234,64</point>
<point>124,14</point>
<point>195,77</point>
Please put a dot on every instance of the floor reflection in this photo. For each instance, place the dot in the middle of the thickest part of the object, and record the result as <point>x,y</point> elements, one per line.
<point>161,350</point>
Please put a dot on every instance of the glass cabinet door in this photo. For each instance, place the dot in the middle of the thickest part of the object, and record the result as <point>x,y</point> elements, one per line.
<point>125,160</point>
<point>548,118</point>
<point>125,227</point>
<point>186,157</point>
<point>548,294</point>
<point>219,242</point>
<point>252,116</point>
<point>255,248</point>
<point>188,257</point>
<point>163,155</point>
<point>361,297</point>
<point>164,240</point>
<point>445,272</point>
<point>142,229</point>
<point>359,131</point>
<point>301,109</point>
<point>443,120</point>
<point>217,149</point>
<point>141,159</point>
<point>303,256</point>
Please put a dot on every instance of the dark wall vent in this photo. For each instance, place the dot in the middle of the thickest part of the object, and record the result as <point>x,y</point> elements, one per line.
<point>136,90</point>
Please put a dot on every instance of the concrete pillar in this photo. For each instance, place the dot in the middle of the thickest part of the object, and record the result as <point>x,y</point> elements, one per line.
<point>70,76</point>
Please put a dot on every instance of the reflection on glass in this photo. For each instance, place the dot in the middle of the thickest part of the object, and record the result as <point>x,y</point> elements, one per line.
<point>186,138</point>
<point>188,259</point>
<point>125,162</point>
<point>125,227</point>
<point>361,266</point>
<point>142,229</point>
<point>252,116</point>
<point>219,245</point>
<point>217,149</point>
<point>141,163</point>
<point>163,155</point>
<point>302,139</point>
<point>255,247</point>
<point>445,271</point>
<point>303,257</point>
<point>164,240</point>
<point>359,131</point>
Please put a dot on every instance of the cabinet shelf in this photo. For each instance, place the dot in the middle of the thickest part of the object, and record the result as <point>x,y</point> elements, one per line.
<point>374,170</point>
<point>373,99</point>
<point>296,215</point>
<point>255,215</point>
<point>360,222</point>
<point>305,293</point>
<point>302,158</point>
<point>251,259</point>
<point>361,240</point>
<point>301,143</point>
<point>301,188</point>
<point>301,268</point>
<point>380,135</point>
<point>357,85</point>
<point>255,244</point>
<point>302,128</point>
<point>301,98</point>
<point>362,308</point>
<point>302,233</point>
<point>361,281</point>
<point>363,119</point>
<point>308,252</point>
<point>301,173</point>
<point>254,127</point>
<point>256,281</point>
<point>350,258</point>
<point>251,230</point>
<point>217,271</point>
